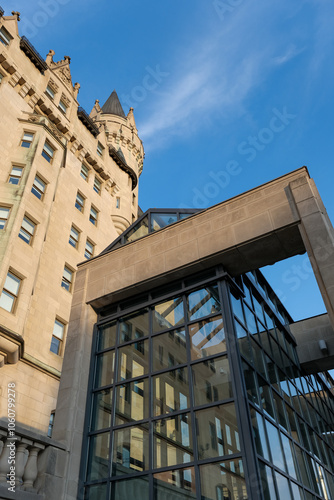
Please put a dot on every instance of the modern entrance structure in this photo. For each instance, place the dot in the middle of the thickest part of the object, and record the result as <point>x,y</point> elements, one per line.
<point>181,375</point>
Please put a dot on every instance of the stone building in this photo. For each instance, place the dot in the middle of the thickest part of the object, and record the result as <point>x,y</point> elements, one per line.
<point>182,376</point>
<point>68,186</point>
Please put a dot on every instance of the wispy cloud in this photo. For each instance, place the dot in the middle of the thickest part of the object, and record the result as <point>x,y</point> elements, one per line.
<point>291,52</point>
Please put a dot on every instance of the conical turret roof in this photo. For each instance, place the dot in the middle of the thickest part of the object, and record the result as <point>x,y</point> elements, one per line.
<point>112,106</point>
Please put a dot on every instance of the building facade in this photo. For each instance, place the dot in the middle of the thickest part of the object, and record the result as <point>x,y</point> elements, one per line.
<point>68,186</point>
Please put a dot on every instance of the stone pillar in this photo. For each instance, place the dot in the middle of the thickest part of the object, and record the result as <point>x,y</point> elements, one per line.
<point>318,235</point>
<point>21,459</point>
<point>31,470</point>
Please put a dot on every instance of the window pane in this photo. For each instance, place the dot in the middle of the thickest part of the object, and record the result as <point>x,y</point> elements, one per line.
<point>98,457</point>
<point>101,414</point>
<point>133,360</point>
<point>55,345</point>
<point>168,314</point>
<point>207,337</point>
<point>173,441</point>
<point>84,172</point>
<point>223,481</point>
<point>58,330</point>
<point>134,326</point>
<point>175,485</point>
<point>267,480</point>
<point>203,302</point>
<point>96,492</point>
<point>132,400</point>
<point>217,431</point>
<point>136,489</point>
<point>259,434</point>
<point>107,336</point>
<point>171,391</point>
<point>6,301</point>
<point>158,221</point>
<point>170,349</point>
<point>28,225</point>
<point>283,487</point>
<point>141,229</point>
<point>130,450</point>
<point>275,446</point>
<point>212,381</point>
<point>12,284</point>
<point>105,369</point>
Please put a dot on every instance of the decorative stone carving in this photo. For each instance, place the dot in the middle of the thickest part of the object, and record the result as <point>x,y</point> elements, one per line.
<point>53,86</point>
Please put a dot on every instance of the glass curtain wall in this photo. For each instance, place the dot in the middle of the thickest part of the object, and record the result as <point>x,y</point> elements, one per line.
<point>164,418</point>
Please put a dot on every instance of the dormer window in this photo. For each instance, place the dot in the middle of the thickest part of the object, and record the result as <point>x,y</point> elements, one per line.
<point>5,37</point>
<point>100,149</point>
<point>50,92</point>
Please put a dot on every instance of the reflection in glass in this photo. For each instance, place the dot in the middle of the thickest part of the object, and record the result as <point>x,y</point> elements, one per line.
<point>173,441</point>
<point>212,381</point>
<point>217,431</point>
<point>171,391</point>
<point>107,336</point>
<point>136,488</point>
<point>259,434</point>
<point>105,369</point>
<point>98,457</point>
<point>130,450</point>
<point>175,484</point>
<point>268,486</point>
<point>223,481</point>
<point>302,468</point>
<point>134,326</point>
<point>283,487</point>
<point>265,396</point>
<point>133,360</point>
<point>158,221</point>
<point>168,314</point>
<point>279,407</point>
<point>251,322</point>
<point>207,337</point>
<point>251,384</point>
<point>289,456</point>
<point>139,230</point>
<point>169,349</point>
<point>237,308</point>
<point>96,492</point>
<point>101,415</point>
<point>275,446</point>
<point>132,400</point>
<point>203,302</point>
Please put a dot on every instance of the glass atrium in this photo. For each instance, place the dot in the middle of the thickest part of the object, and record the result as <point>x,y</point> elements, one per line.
<point>196,393</point>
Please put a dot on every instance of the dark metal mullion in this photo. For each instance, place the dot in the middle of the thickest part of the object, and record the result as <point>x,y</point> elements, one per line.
<point>192,401</point>
<point>252,476</point>
<point>151,403</point>
<point>113,406</point>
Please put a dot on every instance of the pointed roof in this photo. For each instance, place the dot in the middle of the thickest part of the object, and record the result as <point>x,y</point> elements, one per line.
<point>112,106</point>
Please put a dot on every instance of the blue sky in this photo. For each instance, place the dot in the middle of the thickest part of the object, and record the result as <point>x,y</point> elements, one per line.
<point>206,78</point>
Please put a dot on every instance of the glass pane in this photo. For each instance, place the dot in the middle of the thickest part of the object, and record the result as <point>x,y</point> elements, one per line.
<point>98,457</point>
<point>133,360</point>
<point>158,221</point>
<point>107,336</point>
<point>175,485</point>
<point>283,487</point>
<point>259,435</point>
<point>275,446</point>
<point>168,314</point>
<point>169,349</point>
<point>266,397</point>
<point>217,431</point>
<point>128,489</point>
<point>251,385</point>
<point>207,338</point>
<point>139,230</point>
<point>6,301</point>
<point>279,407</point>
<point>203,302</point>
<point>105,369</point>
<point>134,326</point>
<point>297,493</point>
<point>267,480</point>
<point>237,307</point>
<point>223,481</point>
<point>173,441</point>
<point>302,468</point>
<point>289,456</point>
<point>212,381</point>
<point>96,492</point>
<point>58,330</point>
<point>48,149</point>
<point>101,414</point>
<point>171,391</point>
<point>12,284</point>
<point>132,400</point>
<point>251,322</point>
<point>130,450</point>
<point>4,213</point>
<point>67,274</point>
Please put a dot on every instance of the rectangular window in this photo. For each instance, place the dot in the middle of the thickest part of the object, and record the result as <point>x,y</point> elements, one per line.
<point>67,279</point>
<point>89,250</point>
<point>5,37</point>
<point>48,152</point>
<point>38,187</point>
<point>97,185</point>
<point>27,139</point>
<point>4,214</point>
<point>49,92</point>
<point>93,215</point>
<point>15,175</point>
<point>99,149</point>
<point>62,106</point>
<point>118,202</point>
<point>27,230</point>
<point>57,337</point>
<point>79,202</point>
<point>51,422</point>
<point>74,237</point>
<point>84,172</point>
<point>10,292</point>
